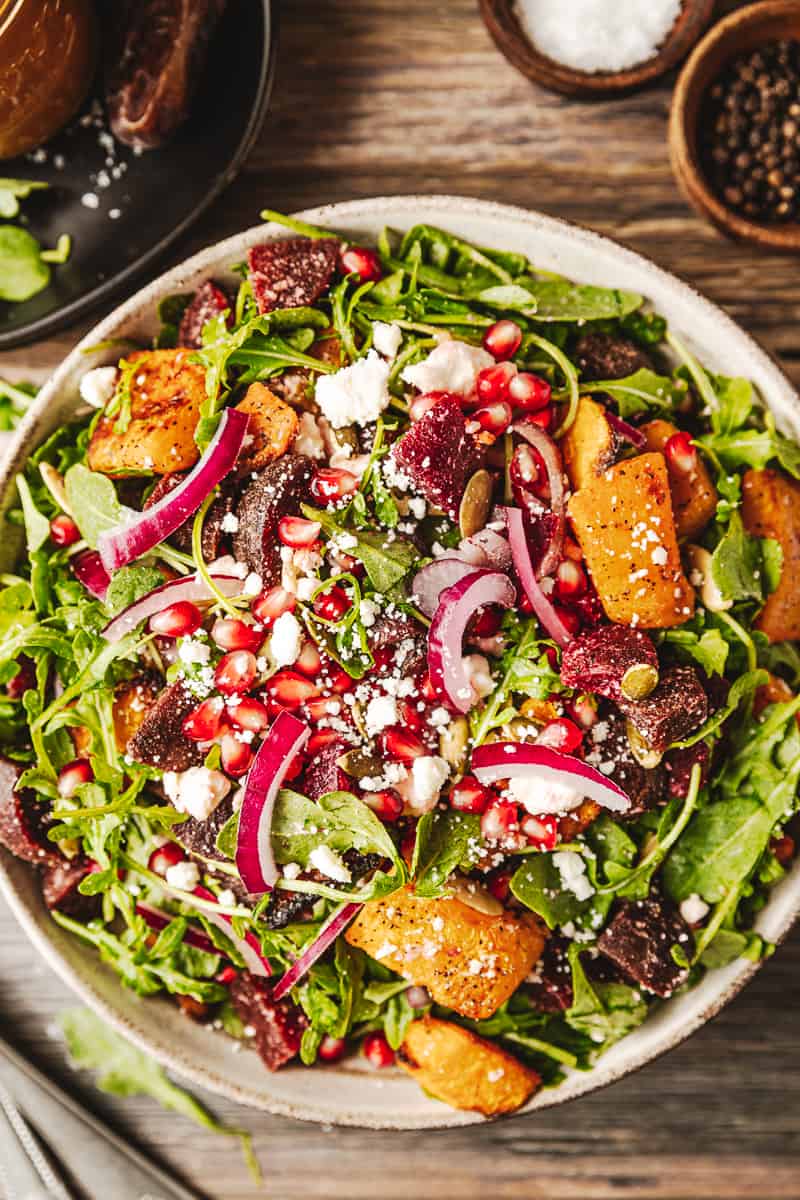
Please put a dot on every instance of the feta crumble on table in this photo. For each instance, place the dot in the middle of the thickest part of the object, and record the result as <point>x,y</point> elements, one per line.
<point>357,394</point>
<point>452,366</point>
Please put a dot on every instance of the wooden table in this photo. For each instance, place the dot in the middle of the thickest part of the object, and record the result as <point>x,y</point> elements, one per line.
<point>390,96</point>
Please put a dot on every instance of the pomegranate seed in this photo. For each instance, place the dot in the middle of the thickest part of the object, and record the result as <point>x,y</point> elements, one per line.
<point>561,734</point>
<point>410,716</point>
<point>524,605</point>
<point>177,620</point>
<point>310,660</point>
<point>492,382</point>
<point>528,474</point>
<point>386,805</point>
<point>358,260</point>
<point>73,775</point>
<point>570,580</point>
<point>544,418</point>
<point>346,562</point>
<point>203,724</point>
<point>541,831</point>
<point>333,604</point>
<point>494,418</point>
<point>18,684</point>
<point>401,745</point>
<point>236,672</point>
<point>422,404</point>
<point>290,689</point>
<point>469,796</point>
<point>320,707</point>
<point>583,712</point>
<point>487,622</point>
<point>500,822</point>
<point>570,620</point>
<point>319,739</point>
<point>503,339</point>
<point>297,532</point>
<point>338,681</point>
<point>272,604</point>
<point>332,483</point>
<point>296,766</point>
<point>232,634</point>
<point>236,756</point>
<point>377,1050</point>
<point>249,713</point>
<point>166,856</point>
<point>499,885</point>
<point>680,454</point>
<point>64,531</point>
<point>783,848</point>
<point>529,392</point>
<point>429,691</point>
<point>227,975</point>
<point>331,1049</point>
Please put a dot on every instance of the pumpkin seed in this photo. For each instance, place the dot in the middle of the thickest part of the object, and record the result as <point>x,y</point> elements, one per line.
<point>360,764</point>
<point>641,750</point>
<point>638,681</point>
<point>453,741</point>
<point>474,895</point>
<point>473,512</point>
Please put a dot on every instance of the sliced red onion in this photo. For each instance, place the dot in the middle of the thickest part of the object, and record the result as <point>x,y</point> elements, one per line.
<point>435,578</point>
<point>249,946</point>
<point>506,760</point>
<point>527,576</point>
<point>629,432</point>
<point>493,547</point>
<point>159,920</point>
<point>339,919</point>
<point>124,543</point>
<point>89,570</point>
<point>254,858</point>
<point>446,634</point>
<point>191,587</point>
<point>541,441</point>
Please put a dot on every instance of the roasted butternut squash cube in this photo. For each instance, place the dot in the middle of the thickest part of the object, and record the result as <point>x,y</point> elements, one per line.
<point>464,1070</point>
<point>590,444</point>
<point>270,429</point>
<point>624,524</point>
<point>694,497</point>
<point>771,509</point>
<point>468,960</point>
<point>167,390</point>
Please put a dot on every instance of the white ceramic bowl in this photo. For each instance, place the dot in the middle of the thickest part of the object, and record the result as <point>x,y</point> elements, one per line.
<point>351,1093</point>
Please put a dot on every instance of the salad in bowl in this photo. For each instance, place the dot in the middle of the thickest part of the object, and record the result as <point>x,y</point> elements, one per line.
<point>401,662</point>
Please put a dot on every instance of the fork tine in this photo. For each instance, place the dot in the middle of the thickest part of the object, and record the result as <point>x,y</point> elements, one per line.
<point>24,1170</point>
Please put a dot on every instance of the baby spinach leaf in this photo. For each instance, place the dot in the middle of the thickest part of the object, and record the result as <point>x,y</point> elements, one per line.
<point>738,563</point>
<point>22,272</point>
<point>644,391</point>
<point>561,300</point>
<point>605,1012</point>
<point>445,840</point>
<point>93,500</point>
<point>537,884</point>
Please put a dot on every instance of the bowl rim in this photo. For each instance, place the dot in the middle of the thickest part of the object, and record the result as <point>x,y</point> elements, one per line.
<point>413,208</point>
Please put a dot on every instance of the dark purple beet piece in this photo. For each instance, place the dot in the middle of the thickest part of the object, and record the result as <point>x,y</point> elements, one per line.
<point>550,984</point>
<point>612,661</point>
<point>604,356</point>
<point>279,1025</point>
<point>610,746</point>
<point>213,533</point>
<point>292,272</point>
<point>60,882</point>
<point>23,822</point>
<point>200,837</point>
<point>438,455</point>
<point>674,710</point>
<point>639,939</point>
<point>208,301</point>
<point>407,639</point>
<point>323,775</point>
<point>160,741</point>
<point>678,766</point>
<point>278,491</point>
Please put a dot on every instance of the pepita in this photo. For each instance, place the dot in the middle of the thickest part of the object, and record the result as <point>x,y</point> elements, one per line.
<point>473,512</point>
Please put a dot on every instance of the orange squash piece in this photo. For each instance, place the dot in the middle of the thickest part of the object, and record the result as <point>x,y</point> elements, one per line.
<point>270,429</point>
<point>694,497</point>
<point>590,445</point>
<point>771,508</point>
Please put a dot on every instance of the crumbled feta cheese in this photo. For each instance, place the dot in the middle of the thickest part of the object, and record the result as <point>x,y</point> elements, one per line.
<point>452,367</point>
<point>329,863</point>
<point>286,640</point>
<point>291,870</point>
<point>192,652</point>
<point>197,791</point>
<point>308,440</point>
<point>386,338</point>
<point>356,394</point>
<point>479,675</point>
<point>440,717</point>
<point>183,875</point>
<point>540,797</point>
<point>693,909</point>
<point>98,386</point>
<point>305,588</point>
<point>417,507</point>
<point>230,523</point>
<point>572,869</point>
<point>252,584</point>
<point>428,775</point>
<point>381,712</point>
<point>368,612</point>
<point>227,898</point>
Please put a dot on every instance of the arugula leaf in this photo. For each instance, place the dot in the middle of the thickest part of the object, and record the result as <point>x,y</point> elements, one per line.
<point>709,649</point>
<point>538,885</point>
<point>644,391</point>
<point>386,563</point>
<point>445,840</point>
<point>605,1012</point>
<point>338,820</point>
<point>738,563</point>
<point>93,500</point>
<point>128,585</point>
<point>37,526</point>
<point>22,272</point>
<point>562,300</point>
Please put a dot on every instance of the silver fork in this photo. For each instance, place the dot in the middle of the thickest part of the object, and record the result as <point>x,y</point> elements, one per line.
<point>25,1172</point>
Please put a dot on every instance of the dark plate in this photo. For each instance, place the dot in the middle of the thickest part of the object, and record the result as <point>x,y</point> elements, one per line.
<point>156,194</point>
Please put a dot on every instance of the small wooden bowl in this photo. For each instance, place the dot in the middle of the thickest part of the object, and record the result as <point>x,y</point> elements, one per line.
<point>745,29</point>
<point>502,22</point>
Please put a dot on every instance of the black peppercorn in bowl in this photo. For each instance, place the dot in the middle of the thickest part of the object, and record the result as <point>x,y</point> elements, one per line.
<point>735,125</point>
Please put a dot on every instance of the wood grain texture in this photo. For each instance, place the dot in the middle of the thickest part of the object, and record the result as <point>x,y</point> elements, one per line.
<point>388,96</point>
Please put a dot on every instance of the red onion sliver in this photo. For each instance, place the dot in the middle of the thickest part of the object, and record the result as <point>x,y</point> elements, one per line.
<point>191,587</point>
<point>541,441</point>
<point>446,634</point>
<point>124,543</point>
<point>89,570</point>
<point>524,567</point>
<point>249,946</point>
<point>629,432</point>
<point>506,760</point>
<point>339,919</point>
<point>492,545</point>
<point>159,920</point>
<point>254,858</point>
<point>435,578</point>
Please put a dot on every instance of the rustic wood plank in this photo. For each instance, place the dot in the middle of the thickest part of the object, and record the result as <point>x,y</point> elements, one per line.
<point>376,97</point>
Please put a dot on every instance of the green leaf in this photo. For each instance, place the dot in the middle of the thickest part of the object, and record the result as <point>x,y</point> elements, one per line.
<point>737,567</point>
<point>128,585</point>
<point>719,849</point>
<point>14,190</point>
<point>22,272</point>
<point>604,1012</point>
<point>538,885</point>
<point>445,840</point>
<point>644,391</point>
<point>93,500</point>
<point>385,562</point>
<point>339,820</point>
<point>561,300</point>
<point>709,649</point>
<point>37,526</point>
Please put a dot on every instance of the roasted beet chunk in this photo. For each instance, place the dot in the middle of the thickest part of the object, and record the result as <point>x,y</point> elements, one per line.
<point>676,708</point>
<point>550,987</point>
<point>601,356</point>
<point>322,775</point>
<point>208,301</point>
<point>277,492</point>
<point>279,1025</point>
<point>160,741</point>
<point>438,455</point>
<point>614,661</point>
<point>611,752</point>
<point>23,822</point>
<point>406,638</point>
<point>678,767</point>
<point>640,938</point>
<point>60,882</point>
<point>200,837</point>
<point>292,272</point>
<point>213,532</point>
<point>285,907</point>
